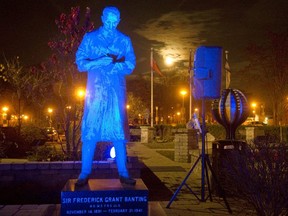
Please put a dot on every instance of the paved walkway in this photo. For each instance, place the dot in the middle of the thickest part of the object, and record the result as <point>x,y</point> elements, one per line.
<point>168,175</point>
<point>185,202</point>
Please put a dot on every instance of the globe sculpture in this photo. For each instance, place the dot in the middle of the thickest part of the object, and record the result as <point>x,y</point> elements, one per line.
<point>231,110</point>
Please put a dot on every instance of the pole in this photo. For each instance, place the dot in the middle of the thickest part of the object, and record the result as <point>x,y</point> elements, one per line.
<point>191,81</point>
<point>227,70</point>
<point>183,110</point>
<point>50,120</point>
<point>203,150</point>
<point>151,65</point>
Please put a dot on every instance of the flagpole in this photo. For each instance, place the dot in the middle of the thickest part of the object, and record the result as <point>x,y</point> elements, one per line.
<point>151,67</point>
<point>190,78</point>
<point>227,70</point>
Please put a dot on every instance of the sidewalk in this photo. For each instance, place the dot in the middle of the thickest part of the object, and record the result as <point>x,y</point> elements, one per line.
<point>172,174</point>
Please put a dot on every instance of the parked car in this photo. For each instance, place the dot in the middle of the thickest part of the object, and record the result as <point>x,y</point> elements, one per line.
<point>51,134</point>
<point>62,138</point>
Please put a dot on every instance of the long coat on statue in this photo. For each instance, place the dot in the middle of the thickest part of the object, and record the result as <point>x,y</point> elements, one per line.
<point>105,116</point>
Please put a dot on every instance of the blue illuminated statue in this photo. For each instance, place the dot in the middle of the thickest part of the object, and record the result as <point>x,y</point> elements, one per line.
<point>108,56</point>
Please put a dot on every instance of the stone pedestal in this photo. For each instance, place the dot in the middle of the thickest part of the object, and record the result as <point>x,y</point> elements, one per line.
<point>147,134</point>
<point>104,197</point>
<point>185,141</point>
<point>221,151</point>
<point>209,139</point>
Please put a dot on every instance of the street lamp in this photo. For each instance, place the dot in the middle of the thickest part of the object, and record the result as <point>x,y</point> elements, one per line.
<point>81,93</point>
<point>5,116</point>
<point>157,116</point>
<point>183,93</point>
<point>5,109</point>
<point>178,115</point>
<point>50,111</point>
<point>254,105</point>
<point>25,117</point>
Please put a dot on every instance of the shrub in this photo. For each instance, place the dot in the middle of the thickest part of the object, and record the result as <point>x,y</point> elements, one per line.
<point>46,153</point>
<point>31,132</point>
<point>259,175</point>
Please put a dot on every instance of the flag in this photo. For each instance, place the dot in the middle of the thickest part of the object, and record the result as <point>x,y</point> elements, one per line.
<point>155,68</point>
<point>227,70</point>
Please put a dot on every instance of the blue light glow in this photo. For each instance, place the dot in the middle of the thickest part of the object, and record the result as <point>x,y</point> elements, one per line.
<point>112,153</point>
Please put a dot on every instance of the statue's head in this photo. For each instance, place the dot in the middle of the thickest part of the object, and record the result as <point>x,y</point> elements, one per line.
<point>110,18</point>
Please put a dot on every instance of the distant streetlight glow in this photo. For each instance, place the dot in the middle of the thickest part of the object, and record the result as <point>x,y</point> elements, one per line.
<point>50,111</point>
<point>254,105</point>
<point>183,93</point>
<point>81,93</point>
<point>25,117</point>
<point>5,109</point>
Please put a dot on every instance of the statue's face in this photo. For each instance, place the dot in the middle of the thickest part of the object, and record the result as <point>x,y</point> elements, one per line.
<point>110,22</point>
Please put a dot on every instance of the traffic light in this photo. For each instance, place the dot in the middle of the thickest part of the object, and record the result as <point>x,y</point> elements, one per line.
<point>207,72</point>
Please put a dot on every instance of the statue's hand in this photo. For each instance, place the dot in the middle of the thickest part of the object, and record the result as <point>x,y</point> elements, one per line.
<point>103,61</point>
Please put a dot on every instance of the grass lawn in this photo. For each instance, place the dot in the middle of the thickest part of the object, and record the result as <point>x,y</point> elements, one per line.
<point>166,153</point>
<point>160,145</point>
<point>164,148</point>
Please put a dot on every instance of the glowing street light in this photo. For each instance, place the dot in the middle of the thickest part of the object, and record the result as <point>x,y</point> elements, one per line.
<point>4,115</point>
<point>196,111</point>
<point>183,93</point>
<point>178,116</point>
<point>5,109</point>
<point>80,93</point>
<point>25,117</point>
<point>50,111</point>
<point>254,105</point>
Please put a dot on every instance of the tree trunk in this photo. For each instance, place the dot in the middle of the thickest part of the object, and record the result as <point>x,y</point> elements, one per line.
<point>275,113</point>
<point>19,112</point>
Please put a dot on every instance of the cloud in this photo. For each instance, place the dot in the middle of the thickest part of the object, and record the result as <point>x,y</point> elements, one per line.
<point>174,33</point>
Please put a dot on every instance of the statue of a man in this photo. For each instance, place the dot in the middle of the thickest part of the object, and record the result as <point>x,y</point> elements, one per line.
<point>108,56</point>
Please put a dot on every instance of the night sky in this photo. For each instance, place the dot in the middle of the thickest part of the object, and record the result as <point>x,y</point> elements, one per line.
<point>172,27</point>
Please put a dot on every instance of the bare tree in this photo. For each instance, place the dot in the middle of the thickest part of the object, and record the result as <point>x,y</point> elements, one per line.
<point>22,82</point>
<point>136,107</point>
<point>258,175</point>
<point>66,76</point>
<point>270,61</point>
